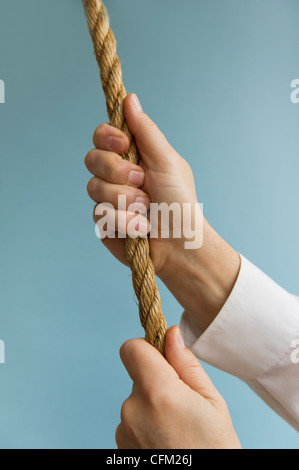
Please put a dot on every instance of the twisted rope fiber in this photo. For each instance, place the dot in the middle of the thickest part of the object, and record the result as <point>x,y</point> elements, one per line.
<point>137,250</point>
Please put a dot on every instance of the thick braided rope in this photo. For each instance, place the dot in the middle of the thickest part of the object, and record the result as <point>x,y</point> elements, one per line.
<point>138,254</point>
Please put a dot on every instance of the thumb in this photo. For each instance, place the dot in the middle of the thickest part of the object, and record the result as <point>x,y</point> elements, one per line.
<point>153,146</point>
<point>187,366</point>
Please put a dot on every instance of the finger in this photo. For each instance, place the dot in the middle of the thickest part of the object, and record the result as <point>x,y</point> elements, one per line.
<point>107,137</point>
<point>187,365</point>
<point>120,216</point>
<point>117,246</point>
<point>112,223</point>
<point>102,191</point>
<point>145,365</point>
<point>112,168</point>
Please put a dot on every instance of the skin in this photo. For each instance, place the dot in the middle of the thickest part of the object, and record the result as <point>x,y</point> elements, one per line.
<point>174,405</point>
<point>201,280</point>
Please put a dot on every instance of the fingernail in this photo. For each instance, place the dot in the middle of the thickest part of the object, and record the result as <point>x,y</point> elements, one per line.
<point>115,143</point>
<point>136,178</point>
<point>136,103</point>
<point>144,201</point>
<point>180,340</point>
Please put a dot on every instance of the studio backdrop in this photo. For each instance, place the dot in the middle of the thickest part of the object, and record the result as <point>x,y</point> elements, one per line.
<point>216,77</point>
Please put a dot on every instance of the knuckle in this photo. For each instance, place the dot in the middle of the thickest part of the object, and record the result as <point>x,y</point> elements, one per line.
<point>95,215</point>
<point>125,412</point>
<point>113,170</point>
<point>99,132</point>
<point>90,159</point>
<point>130,194</point>
<point>127,192</point>
<point>121,437</point>
<point>131,351</point>
<point>129,419</point>
<point>98,214</point>
<point>118,435</point>
<point>92,186</point>
<point>126,349</point>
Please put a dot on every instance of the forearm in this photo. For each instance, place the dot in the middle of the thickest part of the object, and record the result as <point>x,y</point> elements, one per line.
<point>201,280</point>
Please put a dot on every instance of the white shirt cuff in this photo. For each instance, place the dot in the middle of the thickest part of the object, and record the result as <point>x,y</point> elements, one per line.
<point>253,330</point>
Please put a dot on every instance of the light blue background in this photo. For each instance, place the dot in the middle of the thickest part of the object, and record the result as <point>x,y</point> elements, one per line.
<point>215,75</point>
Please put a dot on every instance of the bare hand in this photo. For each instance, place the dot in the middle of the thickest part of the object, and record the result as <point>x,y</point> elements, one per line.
<point>173,405</point>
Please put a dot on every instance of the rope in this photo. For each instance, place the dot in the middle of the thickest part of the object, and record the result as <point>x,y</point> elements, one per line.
<point>138,252</point>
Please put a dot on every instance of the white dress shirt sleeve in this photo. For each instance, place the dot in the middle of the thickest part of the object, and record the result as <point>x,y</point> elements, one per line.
<point>256,338</point>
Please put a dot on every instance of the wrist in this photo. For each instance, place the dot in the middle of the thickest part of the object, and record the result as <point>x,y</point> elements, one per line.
<point>202,279</point>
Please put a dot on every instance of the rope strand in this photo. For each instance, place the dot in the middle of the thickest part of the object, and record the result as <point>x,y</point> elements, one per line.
<point>138,252</point>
